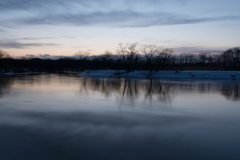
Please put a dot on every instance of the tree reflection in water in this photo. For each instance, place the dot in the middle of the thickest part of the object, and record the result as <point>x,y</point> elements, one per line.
<point>129,89</point>
<point>157,90</point>
<point>152,90</point>
<point>232,92</point>
<point>5,84</point>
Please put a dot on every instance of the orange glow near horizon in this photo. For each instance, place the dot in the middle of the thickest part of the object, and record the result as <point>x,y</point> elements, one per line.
<point>50,51</point>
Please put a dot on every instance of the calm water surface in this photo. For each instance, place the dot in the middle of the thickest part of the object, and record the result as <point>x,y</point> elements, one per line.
<point>54,116</point>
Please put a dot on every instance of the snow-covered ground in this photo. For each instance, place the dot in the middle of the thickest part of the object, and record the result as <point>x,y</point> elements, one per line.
<point>4,72</point>
<point>164,74</point>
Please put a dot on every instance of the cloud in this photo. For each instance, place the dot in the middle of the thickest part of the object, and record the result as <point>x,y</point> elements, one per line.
<point>19,45</point>
<point>44,56</point>
<point>197,49</point>
<point>33,4</point>
<point>34,38</point>
<point>121,19</point>
<point>135,13</point>
<point>40,38</point>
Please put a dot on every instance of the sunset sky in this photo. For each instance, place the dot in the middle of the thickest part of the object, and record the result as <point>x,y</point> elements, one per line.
<point>48,28</point>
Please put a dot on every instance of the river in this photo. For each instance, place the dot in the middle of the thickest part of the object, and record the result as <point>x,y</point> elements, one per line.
<point>66,116</point>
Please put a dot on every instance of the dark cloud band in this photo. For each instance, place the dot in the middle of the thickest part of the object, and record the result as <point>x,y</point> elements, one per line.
<point>15,44</point>
<point>98,13</point>
<point>121,19</point>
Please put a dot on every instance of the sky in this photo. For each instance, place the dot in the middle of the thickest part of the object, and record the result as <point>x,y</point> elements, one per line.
<point>52,28</point>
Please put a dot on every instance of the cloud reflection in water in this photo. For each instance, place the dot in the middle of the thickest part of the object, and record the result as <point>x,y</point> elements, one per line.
<point>47,117</point>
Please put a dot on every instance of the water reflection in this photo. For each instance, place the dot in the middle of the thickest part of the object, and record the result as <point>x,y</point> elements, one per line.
<point>232,92</point>
<point>5,84</point>
<point>130,90</point>
<point>56,116</point>
<point>158,90</point>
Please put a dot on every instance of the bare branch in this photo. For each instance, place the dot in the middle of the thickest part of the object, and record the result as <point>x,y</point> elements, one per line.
<point>4,54</point>
<point>82,55</point>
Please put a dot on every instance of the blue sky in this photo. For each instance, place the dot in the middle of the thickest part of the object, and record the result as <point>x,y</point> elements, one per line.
<point>60,27</point>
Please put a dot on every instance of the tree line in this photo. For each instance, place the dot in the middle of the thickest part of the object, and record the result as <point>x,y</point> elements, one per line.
<point>128,57</point>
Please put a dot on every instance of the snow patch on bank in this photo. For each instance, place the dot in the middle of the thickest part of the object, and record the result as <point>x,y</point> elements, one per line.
<point>163,74</point>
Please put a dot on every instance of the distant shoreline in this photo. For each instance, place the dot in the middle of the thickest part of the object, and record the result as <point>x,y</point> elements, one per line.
<point>163,74</point>
<point>172,74</point>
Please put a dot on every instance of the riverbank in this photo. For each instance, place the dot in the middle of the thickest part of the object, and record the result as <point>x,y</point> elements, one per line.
<point>163,74</point>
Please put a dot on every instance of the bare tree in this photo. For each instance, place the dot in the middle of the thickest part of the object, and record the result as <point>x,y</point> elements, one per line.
<point>4,54</point>
<point>210,59</point>
<point>106,55</point>
<point>163,59</point>
<point>231,58</point>
<point>82,55</point>
<point>129,54</point>
<point>157,58</point>
<point>1,54</point>
<point>203,57</point>
<point>150,51</point>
